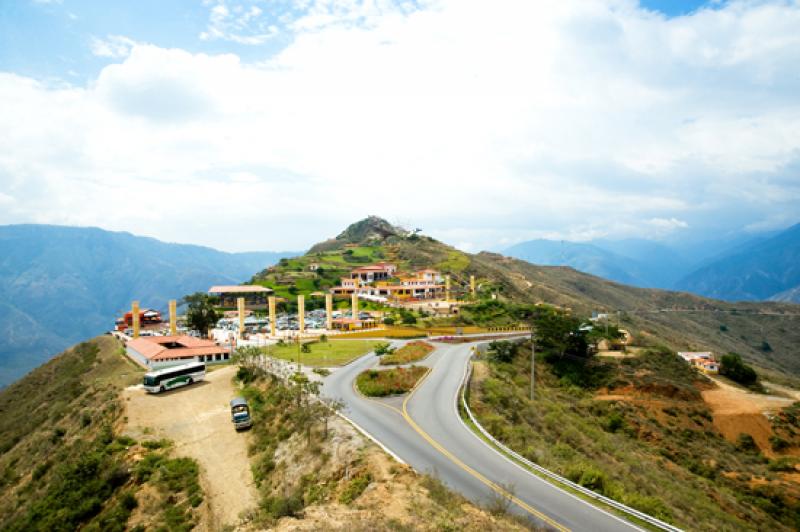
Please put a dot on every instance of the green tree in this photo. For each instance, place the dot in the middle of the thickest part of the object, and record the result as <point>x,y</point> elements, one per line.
<point>735,369</point>
<point>407,317</point>
<point>502,351</point>
<point>201,314</point>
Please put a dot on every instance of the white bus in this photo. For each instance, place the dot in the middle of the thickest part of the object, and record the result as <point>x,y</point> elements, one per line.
<point>174,376</point>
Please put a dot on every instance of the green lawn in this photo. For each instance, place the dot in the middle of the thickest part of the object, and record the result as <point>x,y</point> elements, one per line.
<point>330,353</point>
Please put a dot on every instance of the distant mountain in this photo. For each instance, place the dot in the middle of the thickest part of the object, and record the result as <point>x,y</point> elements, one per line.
<point>635,262</point>
<point>586,258</point>
<point>761,270</point>
<point>60,285</point>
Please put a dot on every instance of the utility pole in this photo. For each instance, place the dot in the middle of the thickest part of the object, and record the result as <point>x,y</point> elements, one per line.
<point>533,361</point>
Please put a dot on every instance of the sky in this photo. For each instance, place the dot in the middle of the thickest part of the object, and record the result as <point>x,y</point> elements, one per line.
<point>272,124</point>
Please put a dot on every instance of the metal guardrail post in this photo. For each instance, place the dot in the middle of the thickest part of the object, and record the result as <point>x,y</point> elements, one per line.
<point>554,476</point>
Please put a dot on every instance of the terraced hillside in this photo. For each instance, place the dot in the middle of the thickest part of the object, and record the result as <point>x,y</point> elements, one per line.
<point>766,334</point>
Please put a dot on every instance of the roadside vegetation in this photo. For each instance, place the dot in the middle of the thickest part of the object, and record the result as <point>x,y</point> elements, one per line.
<point>384,382</point>
<point>65,467</point>
<point>636,430</point>
<point>313,469</point>
<point>411,352</point>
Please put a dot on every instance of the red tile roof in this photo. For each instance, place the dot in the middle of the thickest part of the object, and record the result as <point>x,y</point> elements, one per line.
<point>154,347</point>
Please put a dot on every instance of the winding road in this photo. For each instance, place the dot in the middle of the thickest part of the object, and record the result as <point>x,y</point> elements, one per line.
<point>425,431</point>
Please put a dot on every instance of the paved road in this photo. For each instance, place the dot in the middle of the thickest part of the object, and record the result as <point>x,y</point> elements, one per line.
<point>425,431</point>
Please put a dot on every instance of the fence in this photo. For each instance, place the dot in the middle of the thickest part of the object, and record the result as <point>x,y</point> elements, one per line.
<point>554,476</point>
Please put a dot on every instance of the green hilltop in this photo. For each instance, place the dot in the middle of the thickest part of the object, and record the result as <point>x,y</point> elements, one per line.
<point>764,333</point>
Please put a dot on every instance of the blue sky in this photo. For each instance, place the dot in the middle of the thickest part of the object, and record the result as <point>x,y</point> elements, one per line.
<point>484,124</point>
<point>676,7</point>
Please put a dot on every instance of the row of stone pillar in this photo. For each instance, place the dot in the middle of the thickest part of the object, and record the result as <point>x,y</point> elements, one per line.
<point>301,310</point>
<point>136,324</point>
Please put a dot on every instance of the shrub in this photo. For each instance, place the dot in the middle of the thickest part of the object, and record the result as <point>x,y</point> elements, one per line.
<point>735,369</point>
<point>503,351</point>
<point>745,442</point>
<point>355,487</point>
<point>614,422</point>
<point>778,443</point>
<point>383,349</point>
<point>245,374</point>
<point>277,506</point>
<point>388,320</point>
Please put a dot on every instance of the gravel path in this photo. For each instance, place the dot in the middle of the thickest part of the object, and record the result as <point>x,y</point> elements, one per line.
<point>197,419</point>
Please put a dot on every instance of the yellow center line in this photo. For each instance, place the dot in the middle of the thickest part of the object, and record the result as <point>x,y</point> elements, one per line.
<point>497,489</point>
<point>436,445</point>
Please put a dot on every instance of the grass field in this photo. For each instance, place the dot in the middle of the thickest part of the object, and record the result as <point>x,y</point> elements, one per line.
<point>411,352</point>
<point>330,353</point>
<point>383,382</point>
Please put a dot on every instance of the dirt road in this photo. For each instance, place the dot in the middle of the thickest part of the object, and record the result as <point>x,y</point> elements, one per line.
<point>197,419</point>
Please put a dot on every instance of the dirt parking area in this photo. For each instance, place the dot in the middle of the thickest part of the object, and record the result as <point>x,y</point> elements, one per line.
<point>197,419</point>
<point>738,411</point>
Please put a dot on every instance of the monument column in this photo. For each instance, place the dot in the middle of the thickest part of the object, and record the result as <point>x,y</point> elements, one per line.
<point>329,311</point>
<point>472,284</point>
<point>301,314</point>
<point>135,318</point>
<point>240,309</point>
<point>173,317</point>
<point>354,302</point>
<point>447,287</point>
<point>272,326</point>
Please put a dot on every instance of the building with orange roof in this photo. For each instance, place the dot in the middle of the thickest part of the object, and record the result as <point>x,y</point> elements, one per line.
<point>154,352</point>
<point>374,272</point>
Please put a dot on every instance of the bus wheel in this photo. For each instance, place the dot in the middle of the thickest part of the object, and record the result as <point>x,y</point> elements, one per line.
<point>190,381</point>
<point>161,389</point>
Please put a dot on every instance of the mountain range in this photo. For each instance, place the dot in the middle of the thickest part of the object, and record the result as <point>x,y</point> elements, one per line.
<point>60,285</point>
<point>742,268</point>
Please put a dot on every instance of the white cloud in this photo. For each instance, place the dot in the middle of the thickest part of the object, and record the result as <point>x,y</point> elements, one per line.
<point>568,118</point>
<point>113,46</point>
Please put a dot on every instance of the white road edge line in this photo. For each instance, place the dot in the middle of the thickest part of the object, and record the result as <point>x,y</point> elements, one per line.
<point>516,464</point>
<point>373,438</point>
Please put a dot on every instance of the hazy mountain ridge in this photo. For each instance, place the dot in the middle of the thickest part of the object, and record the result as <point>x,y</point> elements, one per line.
<point>766,269</point>
<point>727,268</point>
<point>59,285</point>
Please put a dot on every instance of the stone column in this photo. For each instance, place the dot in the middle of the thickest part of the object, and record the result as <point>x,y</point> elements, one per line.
<point>272,326</point>
<point>135,318</point>
<point>354,302</point>
<point>240,309</point>
<point>173,317</point>
<point>301,314</point>
<point>447,287</point>
<point>329,311</point>
<point>472,284</point>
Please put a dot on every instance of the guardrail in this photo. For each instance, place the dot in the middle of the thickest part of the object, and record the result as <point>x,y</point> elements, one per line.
<point>554,476</point>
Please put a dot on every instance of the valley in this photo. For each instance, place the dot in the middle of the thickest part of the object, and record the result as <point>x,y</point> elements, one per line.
<point>626,425</point>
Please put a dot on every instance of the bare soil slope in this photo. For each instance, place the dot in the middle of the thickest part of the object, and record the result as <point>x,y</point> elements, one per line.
<point>197,419</point>
<point>738,411</point>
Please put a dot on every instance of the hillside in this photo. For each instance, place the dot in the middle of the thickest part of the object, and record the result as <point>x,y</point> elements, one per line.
<point>65,464</point>
<point>764,333</point>
<point>80,449</point>
<point>639,430</point>
<point>59,285</point>
<point>768,269</point>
